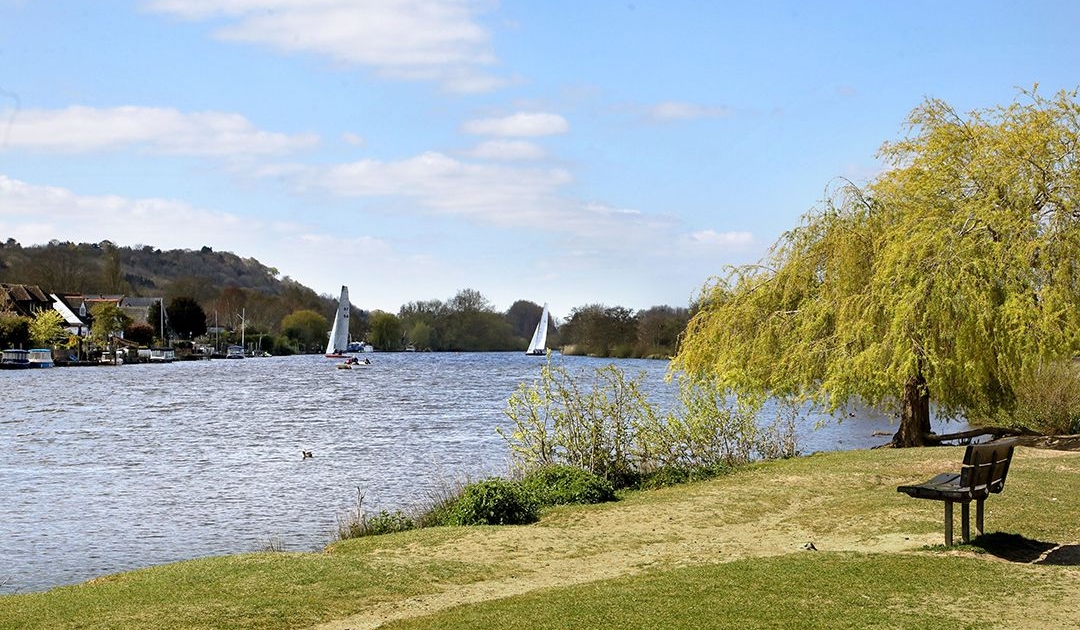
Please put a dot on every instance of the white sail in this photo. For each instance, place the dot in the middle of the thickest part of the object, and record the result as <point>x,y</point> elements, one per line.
<point>339,333</point>
<point>538,345</point>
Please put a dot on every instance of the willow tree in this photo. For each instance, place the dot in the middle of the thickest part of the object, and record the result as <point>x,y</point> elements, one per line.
<point>949,278</point>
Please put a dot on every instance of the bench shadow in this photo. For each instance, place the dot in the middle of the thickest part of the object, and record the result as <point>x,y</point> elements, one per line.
<point>1016,548</point>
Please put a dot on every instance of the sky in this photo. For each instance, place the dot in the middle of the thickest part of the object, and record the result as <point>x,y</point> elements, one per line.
<point>569,152</point>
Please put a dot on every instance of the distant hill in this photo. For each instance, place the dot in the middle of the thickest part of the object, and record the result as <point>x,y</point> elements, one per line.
<point>219,281</point>
<point>145,271</point>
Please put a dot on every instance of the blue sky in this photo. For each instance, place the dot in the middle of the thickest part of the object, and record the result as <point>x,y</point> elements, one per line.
<point>586,152</point>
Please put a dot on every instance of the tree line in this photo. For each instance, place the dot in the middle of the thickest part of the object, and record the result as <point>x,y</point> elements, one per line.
<point>220,298</point>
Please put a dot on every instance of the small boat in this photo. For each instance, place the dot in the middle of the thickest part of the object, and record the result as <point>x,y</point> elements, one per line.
<point>40,358</point>
<point>162,355</point>
<point>353,362</point>
<point>338,344</point>
<point>234,352</point>
<point>15,359</point>
<point>538,345</point>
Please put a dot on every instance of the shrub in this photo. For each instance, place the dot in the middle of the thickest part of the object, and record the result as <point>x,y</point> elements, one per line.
<point>609,427</point>
<point>1048,399</point>
<point>360,524</point>
<point>564,485</point>
<point>388,522</point>
<point>676,474</point>
<point>493,502</point>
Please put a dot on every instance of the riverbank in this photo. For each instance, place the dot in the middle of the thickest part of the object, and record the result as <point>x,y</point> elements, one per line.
<point>740,543</point>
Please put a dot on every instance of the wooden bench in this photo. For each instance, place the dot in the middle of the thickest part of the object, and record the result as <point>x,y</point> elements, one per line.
<point>982,472</point>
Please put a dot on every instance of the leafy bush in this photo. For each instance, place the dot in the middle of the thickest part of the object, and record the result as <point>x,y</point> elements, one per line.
<point>1048,399</point>
<point>564,485</point>
<point>493,502</point>
<point>609,427</point>
<point>676,474</point>
<point>389,522</point>
<point>360,524</point>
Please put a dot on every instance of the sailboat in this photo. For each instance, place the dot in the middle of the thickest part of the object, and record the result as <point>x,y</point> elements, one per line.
<point>339,333</point>
<point>538,345</point>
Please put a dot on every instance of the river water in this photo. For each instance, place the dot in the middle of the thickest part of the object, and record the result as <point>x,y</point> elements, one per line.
<point>107,469</point>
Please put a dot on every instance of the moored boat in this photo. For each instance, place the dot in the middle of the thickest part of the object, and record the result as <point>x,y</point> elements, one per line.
<point>40,358</point>
<point>15,359</point>
<point>162,355</point>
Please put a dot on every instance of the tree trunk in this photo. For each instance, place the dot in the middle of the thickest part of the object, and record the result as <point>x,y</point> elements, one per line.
<point>914,415</point>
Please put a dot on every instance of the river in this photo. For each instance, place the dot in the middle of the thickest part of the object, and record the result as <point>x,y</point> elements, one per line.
<point>108,469</point>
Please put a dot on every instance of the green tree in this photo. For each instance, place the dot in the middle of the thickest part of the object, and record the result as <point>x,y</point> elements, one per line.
<point>386,331</point>
<point>658,329</point>
<point>186,317</point>
<point>140,333</point>
<point>14,330</point>
<point>112,274</point>
<point>108,321</point>
<point>952,275</point>
<point>522,316</point>
<point>425,323</point>
<point>47,328</point>
<point>306,328</point>
<point>600,330</point>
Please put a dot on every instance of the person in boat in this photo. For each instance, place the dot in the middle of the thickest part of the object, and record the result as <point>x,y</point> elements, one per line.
<point>351,361</point>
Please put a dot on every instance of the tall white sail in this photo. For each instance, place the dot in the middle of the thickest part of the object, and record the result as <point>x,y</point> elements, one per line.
<point>339,333</point>
<point>538,345</point>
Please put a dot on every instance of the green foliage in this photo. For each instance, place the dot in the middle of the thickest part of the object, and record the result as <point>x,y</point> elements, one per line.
<point>678,474</point>
<point>14,330</point>
<point>140,333</point>
<point>108,320</point>
<point>493,502</point>
<point>382,523</point>
<point>609,427</point>
<point>565,485</point>
<point>386,331</point>
<point>306,328</point>
<point>1048,399</point>
<point>596,329</point>
<point>953,272</point>
<point>47,328</point>
<point>186,317</point>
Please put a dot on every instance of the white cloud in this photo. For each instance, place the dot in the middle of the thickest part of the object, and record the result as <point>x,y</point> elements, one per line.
<point>674,110</point>
<point>712,237</point>
<point>80,129</point>
<point>437,40</point>
<point>507,150</point>
<point>490,193</point>
<point>518,125</point>
<point>38,214</point>
<point>353,139</point>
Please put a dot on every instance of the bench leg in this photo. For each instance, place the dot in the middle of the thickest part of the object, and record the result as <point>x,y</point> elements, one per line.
<point>948,523</point>
<point>979,517</point>
<point>965,527</point>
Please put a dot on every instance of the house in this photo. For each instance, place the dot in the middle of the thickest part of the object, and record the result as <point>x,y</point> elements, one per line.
<point>76,323</point>
<point>23,299</point>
